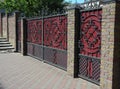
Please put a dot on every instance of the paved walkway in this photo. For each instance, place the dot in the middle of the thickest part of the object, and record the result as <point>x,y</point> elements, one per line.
<point>23,72</point>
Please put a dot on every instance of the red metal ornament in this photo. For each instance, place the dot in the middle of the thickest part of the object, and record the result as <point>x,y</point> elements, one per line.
<point>35,31</point>
<point>90,45</point>
<point>55,32</point>
<point>91,33</point>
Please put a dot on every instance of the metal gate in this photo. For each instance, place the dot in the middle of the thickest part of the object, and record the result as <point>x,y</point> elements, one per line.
<point>90,45</point>
<point>55,40</point>
<point>34,38</point>
<point>47,39</point>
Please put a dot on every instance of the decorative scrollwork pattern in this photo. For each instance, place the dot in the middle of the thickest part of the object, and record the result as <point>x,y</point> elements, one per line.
<point>90,38</point>
<point>55,32</point>
<point>89,68</point>
<point>34,31</point>
<point>47,39</point>
<point>90,45</point>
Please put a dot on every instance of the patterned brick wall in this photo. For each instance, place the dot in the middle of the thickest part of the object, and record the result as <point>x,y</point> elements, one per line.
<point>12,30</point>
<point>0,24</point>
<point>72,42</point>
<point>5,26</point>
<point>71,19</point>
<point>110,48</point>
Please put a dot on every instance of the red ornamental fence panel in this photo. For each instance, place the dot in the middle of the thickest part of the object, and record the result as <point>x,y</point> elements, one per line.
<point>34,38</point>
<point>90,45</point>
<point>47,39</point>
<point>55,32</point>
<point>0,25</point>
<point>55,40</point>
<point>35,31</point>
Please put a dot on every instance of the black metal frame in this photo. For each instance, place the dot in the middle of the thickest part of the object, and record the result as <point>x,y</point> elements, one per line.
<point>33,55</point>
<point>42,58</point>
<point>56,51</point>
<point>44,49</point>
<point>87,58</point>
<point>93,59</point>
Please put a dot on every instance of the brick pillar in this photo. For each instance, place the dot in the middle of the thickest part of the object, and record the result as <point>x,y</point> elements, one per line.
<point>16,15</point>
<point>110,47</point>
<point>12,29</point>
<point>23,36</point>
<point>0,24</point>
<point>5,25</point>
<point>73,36</point>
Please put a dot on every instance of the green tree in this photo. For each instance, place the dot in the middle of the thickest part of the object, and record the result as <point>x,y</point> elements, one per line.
<point>32,7</point>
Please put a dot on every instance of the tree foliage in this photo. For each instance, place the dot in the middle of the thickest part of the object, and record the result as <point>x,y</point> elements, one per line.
<point>32,7</point>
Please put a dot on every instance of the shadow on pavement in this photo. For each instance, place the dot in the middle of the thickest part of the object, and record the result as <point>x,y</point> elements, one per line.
<point>1,87</point>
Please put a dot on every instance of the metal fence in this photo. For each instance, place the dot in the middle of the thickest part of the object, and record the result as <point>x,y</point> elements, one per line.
<point>90,41</point>
<point>47,39</point>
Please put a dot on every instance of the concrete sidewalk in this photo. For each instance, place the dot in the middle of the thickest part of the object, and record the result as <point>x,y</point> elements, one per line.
<point>24,72</point>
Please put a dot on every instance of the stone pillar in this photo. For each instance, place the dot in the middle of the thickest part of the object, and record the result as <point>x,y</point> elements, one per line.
<point>110,47</point>
<point>72,42</point>
<point>0,24</point>
<point>5,25</point>
<point>16,16</point>
<point>23,36</point>
<point>12,29</point>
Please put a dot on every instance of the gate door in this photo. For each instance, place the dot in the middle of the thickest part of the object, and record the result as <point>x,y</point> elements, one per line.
<point>90,45</point>
<point>34,38</point>
<point>47,39</point>
<point>55,40</point>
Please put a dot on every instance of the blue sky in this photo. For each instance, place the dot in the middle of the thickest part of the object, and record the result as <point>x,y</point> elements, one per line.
<point>73,1</point>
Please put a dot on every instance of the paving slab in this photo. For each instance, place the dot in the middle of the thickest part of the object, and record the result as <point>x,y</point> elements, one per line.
<point>24,72</point>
